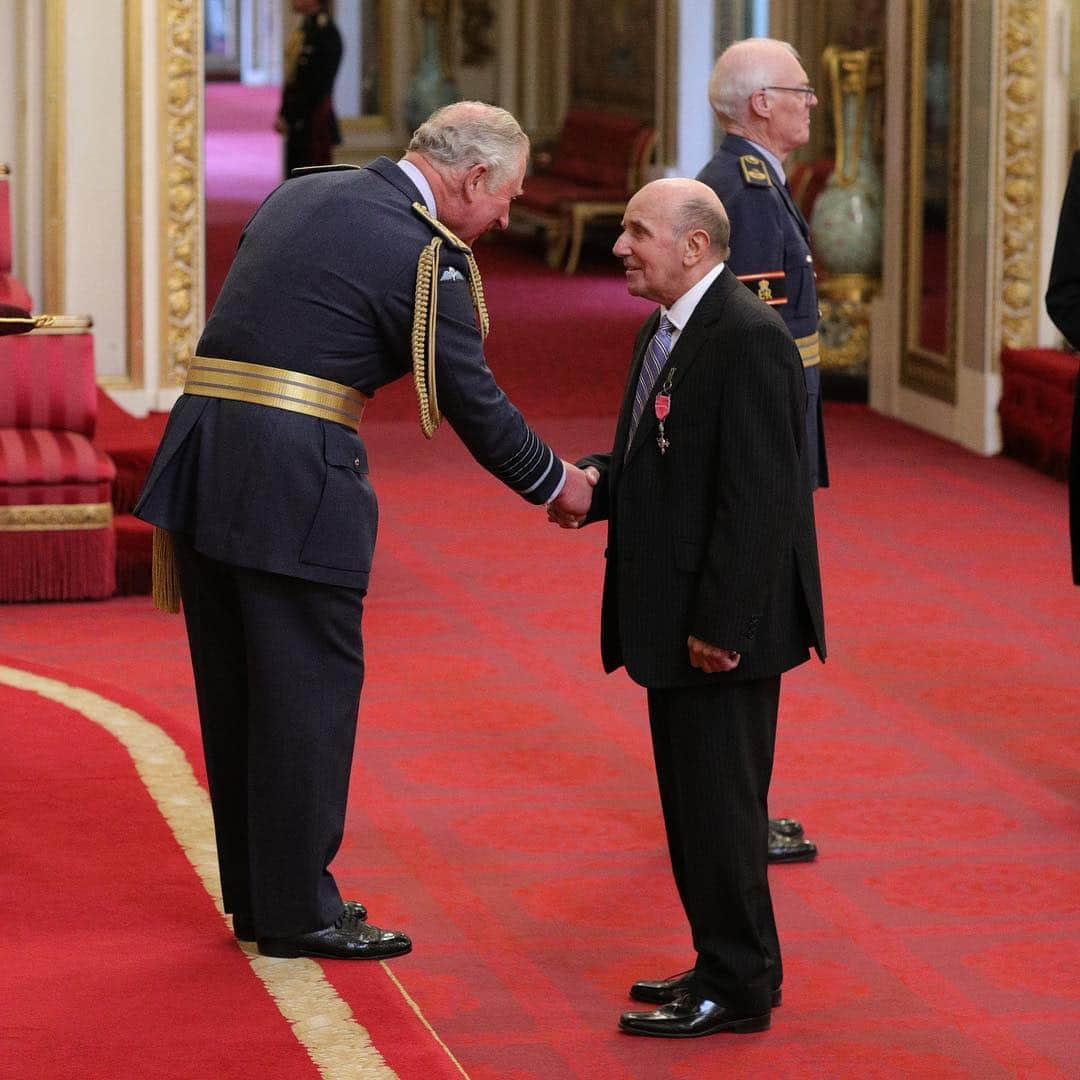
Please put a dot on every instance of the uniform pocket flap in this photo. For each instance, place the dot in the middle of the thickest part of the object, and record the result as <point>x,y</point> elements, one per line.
<point>343,447</point>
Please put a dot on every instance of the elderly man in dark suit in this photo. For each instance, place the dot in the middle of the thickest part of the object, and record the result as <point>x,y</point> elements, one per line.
<point>712,587</point>
<point>344,281</point>
<point>1063,306</point>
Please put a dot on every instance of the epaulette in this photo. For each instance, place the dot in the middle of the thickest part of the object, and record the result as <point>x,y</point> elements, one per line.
<point>303,170</point>
<point>425,314</point>
<point>769,287</point>
<point>423,212</point>
<point>754,171</point>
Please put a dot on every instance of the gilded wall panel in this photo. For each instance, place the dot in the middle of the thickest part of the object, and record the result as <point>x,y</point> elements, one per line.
<point>181,168</point>
<point>1019,166</point>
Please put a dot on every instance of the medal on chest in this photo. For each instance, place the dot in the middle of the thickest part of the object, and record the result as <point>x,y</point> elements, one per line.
<point>662,406</point>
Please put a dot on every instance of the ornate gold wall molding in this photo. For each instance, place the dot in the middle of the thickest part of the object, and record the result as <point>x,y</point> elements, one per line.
<point>1022,46</point>
<point>182,241</point>
<point>133,190</point>
<point>55,246</point>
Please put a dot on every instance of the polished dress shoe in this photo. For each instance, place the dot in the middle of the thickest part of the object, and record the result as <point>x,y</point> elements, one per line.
<point>784,849</point>
<point>349,938</point>
<point>690,1016</point>
<point>244,928</point>
<point>664,991</point>
<point>785,826</point>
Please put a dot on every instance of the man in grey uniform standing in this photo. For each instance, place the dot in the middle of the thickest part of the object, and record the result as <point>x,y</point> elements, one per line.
<point>762,98</point>
<point>344,280</point>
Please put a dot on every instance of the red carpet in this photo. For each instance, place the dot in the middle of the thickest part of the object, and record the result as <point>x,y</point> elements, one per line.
<point>504,807</point>
<point>244,162</point>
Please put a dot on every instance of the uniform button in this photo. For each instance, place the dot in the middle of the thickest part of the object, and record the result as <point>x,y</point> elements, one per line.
<point>809,258</point>
<point>356,462</point>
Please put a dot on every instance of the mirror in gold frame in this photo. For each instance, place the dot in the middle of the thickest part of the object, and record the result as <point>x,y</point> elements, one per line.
<point>932,210</point>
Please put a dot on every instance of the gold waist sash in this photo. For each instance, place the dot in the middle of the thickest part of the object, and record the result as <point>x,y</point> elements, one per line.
<point>809,349</point>
<point>276,388</point>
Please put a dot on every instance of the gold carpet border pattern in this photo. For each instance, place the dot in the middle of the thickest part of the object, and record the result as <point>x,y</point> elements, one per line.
<point>321,1020</point>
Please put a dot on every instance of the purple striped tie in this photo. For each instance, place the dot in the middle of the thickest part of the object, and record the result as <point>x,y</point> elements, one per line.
<point>656,356</point>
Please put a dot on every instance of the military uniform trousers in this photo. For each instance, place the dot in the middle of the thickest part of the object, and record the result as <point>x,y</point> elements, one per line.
<point>713,747</point>
<point>278,663</point>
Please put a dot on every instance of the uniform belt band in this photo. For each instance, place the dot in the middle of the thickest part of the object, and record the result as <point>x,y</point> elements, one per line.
<point>276,388</point>
<point>809,349</point>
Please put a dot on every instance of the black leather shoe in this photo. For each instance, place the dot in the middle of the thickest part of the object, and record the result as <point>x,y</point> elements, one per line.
<point>785,826</point>
<point>350,938</point>
<point>790,848</point>
<point>664,991</point>
<point>244,928</point>
<point>691,1016</point>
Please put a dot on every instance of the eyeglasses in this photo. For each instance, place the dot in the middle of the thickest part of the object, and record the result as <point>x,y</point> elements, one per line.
<point>807,90</point>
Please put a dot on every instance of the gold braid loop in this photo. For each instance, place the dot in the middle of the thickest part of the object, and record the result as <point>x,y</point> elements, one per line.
<point>425,312</point>
<point>476,287</point>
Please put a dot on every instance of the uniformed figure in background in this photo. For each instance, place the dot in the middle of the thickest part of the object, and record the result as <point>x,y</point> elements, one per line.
<point>345,280</point>
<point>762,99</point>
<point>306,117</point>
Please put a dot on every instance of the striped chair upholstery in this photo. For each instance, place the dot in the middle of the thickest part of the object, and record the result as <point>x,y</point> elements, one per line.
<point>56,532</point>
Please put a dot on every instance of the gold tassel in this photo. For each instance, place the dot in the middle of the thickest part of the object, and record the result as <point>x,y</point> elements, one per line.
<point>165,576</point>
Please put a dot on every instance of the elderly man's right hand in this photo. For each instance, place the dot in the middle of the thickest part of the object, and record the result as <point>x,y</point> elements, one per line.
<point>569,509</point>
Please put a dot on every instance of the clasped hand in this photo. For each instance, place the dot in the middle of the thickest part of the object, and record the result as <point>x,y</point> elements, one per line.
<point>569,509</point>
<point>709,658</point>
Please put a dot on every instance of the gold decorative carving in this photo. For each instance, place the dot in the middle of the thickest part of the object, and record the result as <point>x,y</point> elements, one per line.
<point>133,193</point>
<point>55,164</point>
<point>55,517</point>
<point>180,121</point>
<point>1018,169</point>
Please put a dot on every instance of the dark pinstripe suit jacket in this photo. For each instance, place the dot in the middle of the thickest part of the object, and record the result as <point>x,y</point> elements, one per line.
<point>716,536</point>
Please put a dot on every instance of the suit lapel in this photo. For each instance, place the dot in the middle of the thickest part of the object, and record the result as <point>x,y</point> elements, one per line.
<point>622,428</point>
<point>683,356</point>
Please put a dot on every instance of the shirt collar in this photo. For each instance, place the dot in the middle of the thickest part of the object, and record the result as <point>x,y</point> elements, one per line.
<point>679,313</point>
<point>420,180</point>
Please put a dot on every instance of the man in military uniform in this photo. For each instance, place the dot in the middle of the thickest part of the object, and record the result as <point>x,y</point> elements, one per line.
<point>306,117</point>
<point>344,280</point>
<point>762,98</point>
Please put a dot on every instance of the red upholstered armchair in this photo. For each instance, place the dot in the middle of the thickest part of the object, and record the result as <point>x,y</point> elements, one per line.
<point>56,534</point>
<point>12,290</point>
<point>597,164</point>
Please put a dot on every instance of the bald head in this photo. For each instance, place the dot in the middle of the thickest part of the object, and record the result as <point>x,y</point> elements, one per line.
<point>674,232</point>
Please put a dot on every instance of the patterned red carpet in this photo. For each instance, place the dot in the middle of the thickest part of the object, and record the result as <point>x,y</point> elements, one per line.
<point>504,808</point>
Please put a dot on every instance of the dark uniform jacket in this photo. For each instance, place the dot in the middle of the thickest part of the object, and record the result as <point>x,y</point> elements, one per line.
<point>1063,306</point>
<point>306,104</point>
<point>323,283</point>
<point>715,537</point>
<point>770,252</point>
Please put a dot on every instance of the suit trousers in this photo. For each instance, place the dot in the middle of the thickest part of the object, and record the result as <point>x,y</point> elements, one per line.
<point>713,747</point>
<point>278,666</point>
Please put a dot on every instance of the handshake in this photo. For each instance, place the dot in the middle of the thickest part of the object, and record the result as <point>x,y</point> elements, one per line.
<point>568,510</point>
